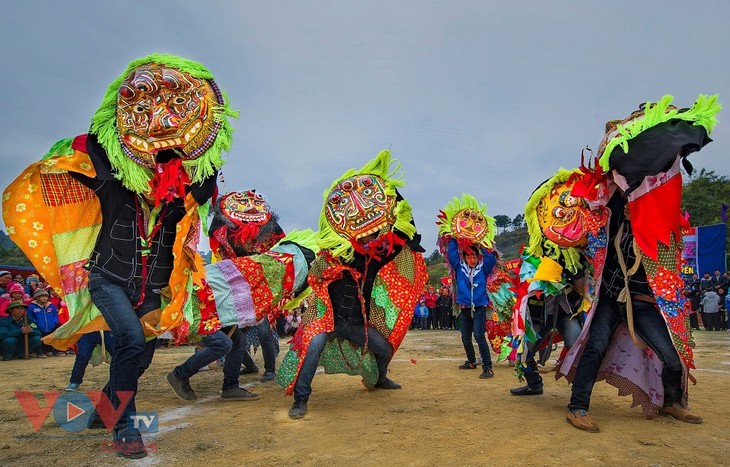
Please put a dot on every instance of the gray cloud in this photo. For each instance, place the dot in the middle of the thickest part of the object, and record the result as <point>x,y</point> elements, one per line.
<point>487,98</point>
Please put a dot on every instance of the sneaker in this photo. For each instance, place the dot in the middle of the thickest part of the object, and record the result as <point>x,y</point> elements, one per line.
<point>181,387</point>
<point>129,446</point>
<point>72,386</point>
<point>248,371</point>
<point>268,376</point>
<point>298,409</point>
<point>205,368</point>
<point>41,355</point>
<point>486,374</point>
<point>387,384</point>
<point>526,391</point>
<point>581,420</point>
<point>680,413</point>
<point>467,366</point>
<point>238,394</point>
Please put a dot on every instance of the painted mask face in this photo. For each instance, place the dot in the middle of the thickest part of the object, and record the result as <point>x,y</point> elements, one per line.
<point>162,108</point>
<point>566,219</point>
<point>246,207</point>
<point>469,224</point>
<point>358,207</point>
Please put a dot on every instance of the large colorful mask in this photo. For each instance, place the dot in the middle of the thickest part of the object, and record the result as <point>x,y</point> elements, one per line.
<point>561,218</point>
<point>162,108</point>
<point>466,220</point>
<point>245,207</point>
<point>566,219</point>
<point>358,207</point>
<point>163,103</point>
<point>363,204</point>
<point>243,224</point>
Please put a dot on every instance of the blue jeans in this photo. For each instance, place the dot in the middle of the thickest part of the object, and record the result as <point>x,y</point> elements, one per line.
<point>569,328</point>
<point>268,348</point>
<point>377,344</point>
<point>650,325</point>
<point>477,326</point>
<point>132,353</point>
<point>84,349</point>
<point>215,346</point>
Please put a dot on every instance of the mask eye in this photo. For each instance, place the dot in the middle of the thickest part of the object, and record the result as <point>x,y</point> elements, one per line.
<point>335,199</point>
<point>367,191</point>
<point>559,212</point>
<point>127,91</point>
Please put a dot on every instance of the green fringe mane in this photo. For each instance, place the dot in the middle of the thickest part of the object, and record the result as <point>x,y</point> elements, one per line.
<point>702,113</point>
<point>467,202</point>
<point>306,238</point>
<point>540,246</point>
<point>132,175</point>
<point>380,166</point>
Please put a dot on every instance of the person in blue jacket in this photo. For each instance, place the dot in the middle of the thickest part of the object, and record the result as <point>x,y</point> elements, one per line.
<point>45,315</point>
<point>472,267</point>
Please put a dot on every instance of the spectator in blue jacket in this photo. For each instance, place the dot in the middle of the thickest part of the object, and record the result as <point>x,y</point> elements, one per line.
<point>13,327</point>
<point>45,315</point>
<point>472,267</point>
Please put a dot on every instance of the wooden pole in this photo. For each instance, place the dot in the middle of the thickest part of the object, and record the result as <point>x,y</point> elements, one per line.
<point>25,334</point>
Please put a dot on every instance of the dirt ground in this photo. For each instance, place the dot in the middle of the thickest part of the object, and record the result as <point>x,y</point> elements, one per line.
<point>442,416</point>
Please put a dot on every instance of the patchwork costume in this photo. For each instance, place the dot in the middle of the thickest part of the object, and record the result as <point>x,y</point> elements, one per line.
<point>110,218</point>
<point>637,336</point>
<point>241,289</point>
<point>365,282</point>
<point>566,223</point>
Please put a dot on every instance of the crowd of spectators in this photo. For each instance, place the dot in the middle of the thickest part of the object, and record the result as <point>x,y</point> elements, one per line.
<point>709,300</point>
<point>434,310</point>
<point>43,312</point>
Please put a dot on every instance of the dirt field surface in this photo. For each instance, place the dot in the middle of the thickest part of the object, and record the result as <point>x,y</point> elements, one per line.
<point>442,416</point>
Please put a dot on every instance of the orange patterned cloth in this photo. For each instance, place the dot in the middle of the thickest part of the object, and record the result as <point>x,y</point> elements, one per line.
<point>55,220</point>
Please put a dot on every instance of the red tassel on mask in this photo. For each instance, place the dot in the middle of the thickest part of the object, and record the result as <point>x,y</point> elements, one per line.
<point>169,182</point>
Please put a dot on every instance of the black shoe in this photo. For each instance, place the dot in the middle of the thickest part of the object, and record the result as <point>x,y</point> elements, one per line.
<point>268,376</point>
<point>486,374</point>
<point>248,371</point>
<point>526,391</point>
<point>181,387</point>
<point>129,446</point>
<point>467,366</point>
<point>298,409</point>
<point>238,394</point>
<point>387,384</point>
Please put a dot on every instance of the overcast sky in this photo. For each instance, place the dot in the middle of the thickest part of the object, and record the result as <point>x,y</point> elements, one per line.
<point>487,98</point>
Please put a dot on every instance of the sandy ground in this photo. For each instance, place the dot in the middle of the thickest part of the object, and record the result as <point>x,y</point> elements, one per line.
<point>442,416</point>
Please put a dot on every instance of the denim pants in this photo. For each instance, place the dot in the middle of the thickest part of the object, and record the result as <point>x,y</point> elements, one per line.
<point>377,344</point>
<point>477,326</point>
<point>569,328</point>
<point>85,348</point>
<point>132,353</point>
<point>650,325</point>
<point>215,346</point>
<point>268,348</point>
<point>15,346</point>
